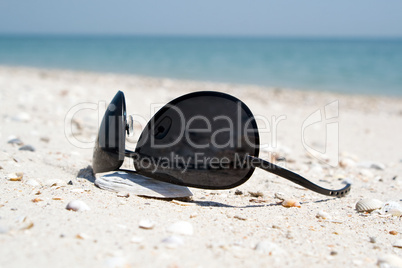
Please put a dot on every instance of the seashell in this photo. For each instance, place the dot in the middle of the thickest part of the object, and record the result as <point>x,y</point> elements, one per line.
<point>21,117</point>
<point>391,208</point>
<point>291,203</point>
<point>173,241</point>
<point>323,215</point>
<point>389,261</point>
<point>32,182</point>
<point>140,185</point>
<point>146,224</point>
<point>397,244</point>
<point>368,205</point>
<point>15,176</point>
<point>55,182</point>
<point>181,227</point>
<point>82,236</point>
<point>366,173</point>
<point>280,196</point>
<point>269,248</point>
<point>77,205</point>
<point>137,239</point>
<point>347,162</point>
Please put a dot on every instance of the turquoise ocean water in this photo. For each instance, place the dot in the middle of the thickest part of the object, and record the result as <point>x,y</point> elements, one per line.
<point>357,66</point>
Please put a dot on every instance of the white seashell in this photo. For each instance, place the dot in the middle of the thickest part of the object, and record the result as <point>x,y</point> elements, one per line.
<point>280,196</point>
<point>32,182</point>
<point>21,117</point>
<point>173,241</point>
<point>291,203</point>
<point>137,239</point>
<point>181,227</point>
<point>323,215</point>
<point>140,185</point>
<point>17,176</point>
<point>269,248</point>
<point>55,182</point>
<point>368,205</point>
<point>146,224</point>
<point>389,261</point>
<point>391,208</point>
<point>397,244</point>
<point>116,262</point>
<point>366,173</point>
<point>346,163</point>
<point>77,205</point>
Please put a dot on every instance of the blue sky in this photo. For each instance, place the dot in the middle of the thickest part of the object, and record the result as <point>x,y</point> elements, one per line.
<point>207,17</point>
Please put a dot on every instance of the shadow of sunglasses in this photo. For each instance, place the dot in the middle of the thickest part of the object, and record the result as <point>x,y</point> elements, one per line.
<point>205,140</point>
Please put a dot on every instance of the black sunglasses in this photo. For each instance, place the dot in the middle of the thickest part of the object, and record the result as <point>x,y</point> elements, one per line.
<point>205,140</point>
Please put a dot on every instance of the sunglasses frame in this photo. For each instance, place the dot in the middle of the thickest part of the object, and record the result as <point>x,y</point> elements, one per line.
<point>109,150</point>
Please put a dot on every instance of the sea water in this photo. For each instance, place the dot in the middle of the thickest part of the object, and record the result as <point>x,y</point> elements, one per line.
<point>356,66</point>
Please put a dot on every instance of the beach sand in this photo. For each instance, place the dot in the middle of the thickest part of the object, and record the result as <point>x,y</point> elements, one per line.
<point>229,229</point>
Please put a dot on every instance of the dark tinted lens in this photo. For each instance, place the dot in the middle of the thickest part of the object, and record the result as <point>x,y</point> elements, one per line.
<point>109,149</point>
<point>199,140</point>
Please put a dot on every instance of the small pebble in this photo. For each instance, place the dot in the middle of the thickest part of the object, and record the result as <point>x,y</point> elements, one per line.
<point>146,224</point>
<point>29,148</point>
<point>393,232</point>
<point>122,194</point>
<point>240,218</point>
<point>173,241</point>
<point>256,194</point>
<point>238,192</point>
<point>181,227</point>
<point>77,205</point>
<point>373,239</point>
<point>15,141</point>
<point>45,139</point>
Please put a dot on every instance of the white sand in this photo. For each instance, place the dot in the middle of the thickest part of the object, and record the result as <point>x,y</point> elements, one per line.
<point>34,104</point>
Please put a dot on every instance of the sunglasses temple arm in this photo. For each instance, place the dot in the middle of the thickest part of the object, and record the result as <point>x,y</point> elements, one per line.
<point>289,175</point>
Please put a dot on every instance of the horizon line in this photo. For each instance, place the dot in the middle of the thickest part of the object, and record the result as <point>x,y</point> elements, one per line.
<point>223,36</point>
